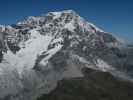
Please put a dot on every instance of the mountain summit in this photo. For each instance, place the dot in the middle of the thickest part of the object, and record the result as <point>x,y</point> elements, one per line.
<point>39,51</point>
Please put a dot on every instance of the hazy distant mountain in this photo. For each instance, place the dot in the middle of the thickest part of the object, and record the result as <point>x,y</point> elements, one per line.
<point>38,52</point>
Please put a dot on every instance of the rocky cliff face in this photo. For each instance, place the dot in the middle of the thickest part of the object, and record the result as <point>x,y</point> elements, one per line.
<point>38,52</point>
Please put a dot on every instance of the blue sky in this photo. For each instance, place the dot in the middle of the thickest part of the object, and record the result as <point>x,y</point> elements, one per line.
<point>115,16</point>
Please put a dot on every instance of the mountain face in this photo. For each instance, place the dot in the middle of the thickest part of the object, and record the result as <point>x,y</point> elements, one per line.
<point>39,51</point>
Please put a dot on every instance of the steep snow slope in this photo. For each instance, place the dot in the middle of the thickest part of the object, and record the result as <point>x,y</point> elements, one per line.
<point>26,57</point>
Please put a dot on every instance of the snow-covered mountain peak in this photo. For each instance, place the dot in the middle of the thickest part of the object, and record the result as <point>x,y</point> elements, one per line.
<point>69,15</point>
<point>41,50</point>
<point>64,12</point>
<point>63,29</point>
<point>59,20</point>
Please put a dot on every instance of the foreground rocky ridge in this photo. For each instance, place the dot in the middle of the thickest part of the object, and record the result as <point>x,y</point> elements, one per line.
<point>40,51</point>
<point>94,85</point>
